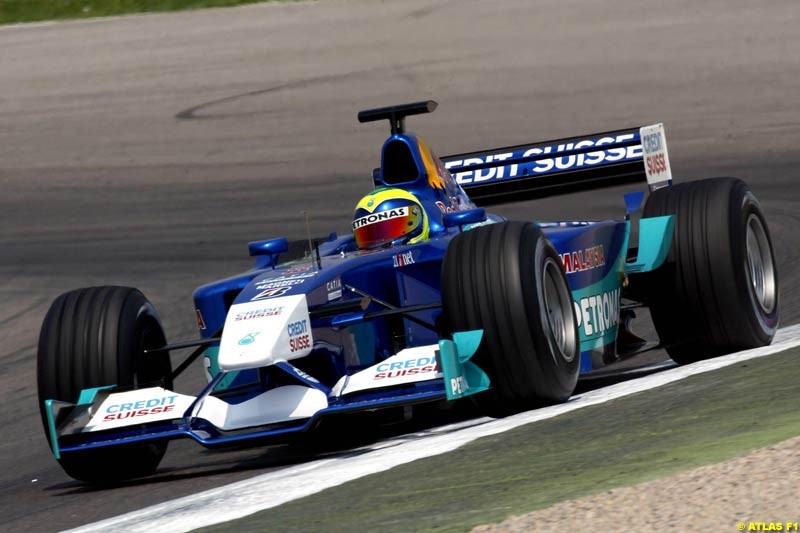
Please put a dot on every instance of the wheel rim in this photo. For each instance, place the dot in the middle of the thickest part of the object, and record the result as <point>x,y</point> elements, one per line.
<point>760,268</point>
<point>559,310</point>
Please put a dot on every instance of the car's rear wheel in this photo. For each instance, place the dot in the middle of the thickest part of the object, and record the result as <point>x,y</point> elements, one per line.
<point>96,337</point>
<point>717,292</point>
<point>507,280</point>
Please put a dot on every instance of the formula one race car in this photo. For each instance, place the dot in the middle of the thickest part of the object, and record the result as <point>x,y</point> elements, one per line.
<point>430,298</point>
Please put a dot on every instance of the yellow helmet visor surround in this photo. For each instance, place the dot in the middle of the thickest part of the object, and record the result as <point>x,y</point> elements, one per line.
<point>376,229</point>
<point>386,215</point>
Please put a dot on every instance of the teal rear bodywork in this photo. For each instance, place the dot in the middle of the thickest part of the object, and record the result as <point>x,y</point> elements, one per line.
<point>596,260</point>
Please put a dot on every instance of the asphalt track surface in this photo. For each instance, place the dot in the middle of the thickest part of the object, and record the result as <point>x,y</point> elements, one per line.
<point>148,150</point>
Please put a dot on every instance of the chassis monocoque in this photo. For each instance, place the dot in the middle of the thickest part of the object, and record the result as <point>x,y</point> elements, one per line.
<point>506,312</point>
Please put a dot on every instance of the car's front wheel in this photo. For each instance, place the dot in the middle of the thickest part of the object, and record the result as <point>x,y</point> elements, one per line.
<point>507,280</point>
<point>96,337</point>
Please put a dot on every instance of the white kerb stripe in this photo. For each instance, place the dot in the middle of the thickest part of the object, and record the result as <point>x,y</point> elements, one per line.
<point>276,488</point>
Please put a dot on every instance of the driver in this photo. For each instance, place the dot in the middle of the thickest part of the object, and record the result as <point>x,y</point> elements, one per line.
<point>389,216</point>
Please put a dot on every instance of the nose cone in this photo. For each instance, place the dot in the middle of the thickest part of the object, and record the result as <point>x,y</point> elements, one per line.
<point>260,333</point>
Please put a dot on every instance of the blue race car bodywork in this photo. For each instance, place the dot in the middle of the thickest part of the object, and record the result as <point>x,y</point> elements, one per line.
<point>347,330</point>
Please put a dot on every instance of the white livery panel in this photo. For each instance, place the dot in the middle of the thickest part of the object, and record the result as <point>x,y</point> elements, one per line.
<point>140,406</point>
<point>155,404</point>
<point>263,332</point>
<point>407,366</point>
<point>655,156</point>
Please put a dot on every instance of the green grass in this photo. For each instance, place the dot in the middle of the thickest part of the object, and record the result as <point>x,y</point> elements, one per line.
<point>704,419</point>
<point>13,11</point>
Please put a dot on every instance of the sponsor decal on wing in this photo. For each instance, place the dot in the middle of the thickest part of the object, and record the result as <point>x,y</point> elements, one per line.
<point>138,407</point>
<point>656,157</point>
<point>464,176</point>
<point>407,366</point>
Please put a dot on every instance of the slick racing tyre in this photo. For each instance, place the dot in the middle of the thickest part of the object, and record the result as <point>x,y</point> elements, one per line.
<point>717,292</point>
<point>96,337</point>
<point>507,280</point>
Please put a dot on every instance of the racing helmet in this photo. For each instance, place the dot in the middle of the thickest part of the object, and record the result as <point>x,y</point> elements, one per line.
<point>389,216</point>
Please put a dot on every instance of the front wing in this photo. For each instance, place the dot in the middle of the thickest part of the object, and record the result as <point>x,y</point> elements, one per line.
<point>106,416</point>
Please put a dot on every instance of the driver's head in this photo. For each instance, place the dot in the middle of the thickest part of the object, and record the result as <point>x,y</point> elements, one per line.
<point>389,216</point>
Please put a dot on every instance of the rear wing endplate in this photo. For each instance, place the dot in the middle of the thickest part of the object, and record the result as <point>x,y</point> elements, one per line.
<point>565,165</point>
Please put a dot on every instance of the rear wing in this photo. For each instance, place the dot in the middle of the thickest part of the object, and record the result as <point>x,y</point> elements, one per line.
<point>565,165</point>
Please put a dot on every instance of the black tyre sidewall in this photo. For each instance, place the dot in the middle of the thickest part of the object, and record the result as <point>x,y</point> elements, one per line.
<point>701,299</point>
<point>95,337</point>
<point>493,280</point>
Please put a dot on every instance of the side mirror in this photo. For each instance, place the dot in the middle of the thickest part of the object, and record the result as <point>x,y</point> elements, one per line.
<point>267,252</point>
<point>268,247</point>
<point>459,218</point>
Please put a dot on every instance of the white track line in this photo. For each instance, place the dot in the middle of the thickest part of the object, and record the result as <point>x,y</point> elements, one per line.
<point>240,499</point>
